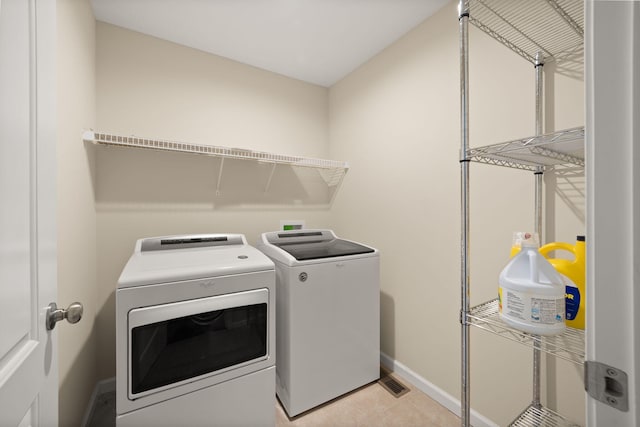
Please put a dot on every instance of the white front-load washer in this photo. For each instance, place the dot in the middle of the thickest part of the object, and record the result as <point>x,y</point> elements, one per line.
<point>327,316</point>
<point>195,334</point>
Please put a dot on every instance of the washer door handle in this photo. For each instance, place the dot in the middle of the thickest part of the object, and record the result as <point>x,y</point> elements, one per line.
<point>73,314</point>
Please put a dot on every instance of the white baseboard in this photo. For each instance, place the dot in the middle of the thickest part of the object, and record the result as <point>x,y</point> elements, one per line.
<point>431,390</point>
<point>104,386</point>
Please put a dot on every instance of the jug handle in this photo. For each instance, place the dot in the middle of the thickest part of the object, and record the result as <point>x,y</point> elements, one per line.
<point>563,246</point>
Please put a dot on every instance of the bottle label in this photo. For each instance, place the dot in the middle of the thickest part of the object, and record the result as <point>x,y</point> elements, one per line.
<point>532,308</point>
<point>572,298</point>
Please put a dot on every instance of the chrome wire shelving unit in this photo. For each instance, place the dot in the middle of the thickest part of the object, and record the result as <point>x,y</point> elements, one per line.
<point>542,32</point>
<point>331,171</point>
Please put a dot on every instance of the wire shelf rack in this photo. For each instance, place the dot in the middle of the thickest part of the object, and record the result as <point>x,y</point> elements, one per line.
<point>539,416</point>
<point>553,27</point>
<point>568,346</point>
<point>331,172</point>
<point>556,149</point>
<point>336,169</point>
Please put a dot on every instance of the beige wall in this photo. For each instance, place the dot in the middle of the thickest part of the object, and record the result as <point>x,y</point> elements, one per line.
<point>396,119</point>
<point>76,211</point>
<point>153,88</point>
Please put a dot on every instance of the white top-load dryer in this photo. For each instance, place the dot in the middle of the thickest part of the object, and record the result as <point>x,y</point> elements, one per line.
<point>195,333</point>
<point>327,316</point>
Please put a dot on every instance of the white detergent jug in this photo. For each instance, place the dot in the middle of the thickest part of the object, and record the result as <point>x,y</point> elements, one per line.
<point>532,294</point>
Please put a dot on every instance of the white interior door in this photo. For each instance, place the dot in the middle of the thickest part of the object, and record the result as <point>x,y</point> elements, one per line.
<point>28,353</point>
<point>612,70</point>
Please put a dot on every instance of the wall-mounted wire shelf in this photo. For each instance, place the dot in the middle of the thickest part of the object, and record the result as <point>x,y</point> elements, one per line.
<point>556,149</point>
<point>331,171</point>
<point>553,27</point>
<point>209,150</point>
<point>568,346</point>
<point>539,416</point>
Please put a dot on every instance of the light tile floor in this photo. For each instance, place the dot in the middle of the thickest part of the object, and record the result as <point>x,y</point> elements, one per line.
<point>373,406</point>
<point>368,406</point>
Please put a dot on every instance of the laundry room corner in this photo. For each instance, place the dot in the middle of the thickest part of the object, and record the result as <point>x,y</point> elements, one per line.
<point>392,125</point>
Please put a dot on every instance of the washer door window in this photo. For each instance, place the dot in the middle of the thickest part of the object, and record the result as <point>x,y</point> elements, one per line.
<point>175,343</point>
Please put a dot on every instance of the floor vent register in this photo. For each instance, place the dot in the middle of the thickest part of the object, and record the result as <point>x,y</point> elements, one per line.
<point>392,385</point>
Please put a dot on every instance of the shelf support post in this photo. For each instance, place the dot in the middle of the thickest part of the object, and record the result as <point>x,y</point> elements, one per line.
<point>539,65</point>
<point>463,18</point>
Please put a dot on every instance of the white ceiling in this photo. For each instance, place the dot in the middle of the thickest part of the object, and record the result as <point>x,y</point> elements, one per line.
<point>317,41</point>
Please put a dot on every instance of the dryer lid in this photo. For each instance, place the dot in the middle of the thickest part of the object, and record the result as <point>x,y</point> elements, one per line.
<point>191,257</point>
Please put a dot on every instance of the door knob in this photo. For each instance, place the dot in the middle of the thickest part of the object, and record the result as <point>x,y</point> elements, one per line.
<point>73,314</point>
